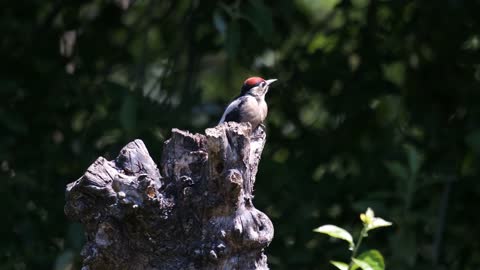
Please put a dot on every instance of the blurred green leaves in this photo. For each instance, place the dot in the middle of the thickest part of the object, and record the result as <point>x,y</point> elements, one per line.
<point>233,38</point>
<point>376,106</point>
<point>322,42</point>
<point>395,72</point>
<point>317,9</point>
<point>128,113</point>
<point>473,140</point>
<point>260,16</point>
<point>256,13</point>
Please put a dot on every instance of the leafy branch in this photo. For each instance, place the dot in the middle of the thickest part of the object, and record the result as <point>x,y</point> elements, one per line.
<point>368,260</point>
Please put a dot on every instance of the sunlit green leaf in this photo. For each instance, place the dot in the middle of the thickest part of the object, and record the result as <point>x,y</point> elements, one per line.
<point>362,264</point>
<point>340,265</point>
<point>379,222</point>
<point>373,258</point>
<point>336,232</point>
<point>371,222</point>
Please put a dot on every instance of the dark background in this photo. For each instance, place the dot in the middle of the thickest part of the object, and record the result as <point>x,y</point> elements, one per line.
<point>377,105</point>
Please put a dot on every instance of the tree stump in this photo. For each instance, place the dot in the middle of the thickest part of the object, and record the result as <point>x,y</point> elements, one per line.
<point>195,212</point>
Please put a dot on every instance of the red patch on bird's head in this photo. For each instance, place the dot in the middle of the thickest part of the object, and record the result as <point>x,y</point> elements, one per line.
<point>252,81</point>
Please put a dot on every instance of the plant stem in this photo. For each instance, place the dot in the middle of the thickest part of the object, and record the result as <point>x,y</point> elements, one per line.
<point>357,246</point>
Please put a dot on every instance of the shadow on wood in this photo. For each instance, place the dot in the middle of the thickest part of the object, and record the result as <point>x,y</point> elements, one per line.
<point>196,212</point>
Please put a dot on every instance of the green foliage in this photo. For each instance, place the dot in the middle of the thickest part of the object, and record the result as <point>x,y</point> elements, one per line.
<point>376,106</point>
<point>368,260</point>
<point>336,232</point>
<point>339,265</point>
<point>371,222</point>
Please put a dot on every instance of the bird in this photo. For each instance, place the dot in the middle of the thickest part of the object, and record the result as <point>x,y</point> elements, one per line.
<point>250,105</point>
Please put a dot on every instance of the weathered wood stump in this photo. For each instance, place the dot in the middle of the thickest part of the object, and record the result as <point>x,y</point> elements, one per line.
<point>195,213</point>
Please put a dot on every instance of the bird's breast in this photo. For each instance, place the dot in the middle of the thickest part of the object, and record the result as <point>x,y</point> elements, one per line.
<point>251,111</point>
<point>263,108</point>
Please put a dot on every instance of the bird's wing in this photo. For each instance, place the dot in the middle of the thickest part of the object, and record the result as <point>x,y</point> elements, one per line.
<point>232,112</point>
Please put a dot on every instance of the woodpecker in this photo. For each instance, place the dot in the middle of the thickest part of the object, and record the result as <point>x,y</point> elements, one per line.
<point>250,105</point>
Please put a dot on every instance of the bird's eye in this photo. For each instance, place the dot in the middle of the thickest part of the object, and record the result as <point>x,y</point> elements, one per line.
<point>263,84</point>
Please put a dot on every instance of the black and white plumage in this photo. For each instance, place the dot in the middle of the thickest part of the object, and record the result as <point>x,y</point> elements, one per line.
<point>250,106</point>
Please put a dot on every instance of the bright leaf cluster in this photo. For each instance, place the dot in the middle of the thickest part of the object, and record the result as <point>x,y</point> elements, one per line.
<point>368,260</point>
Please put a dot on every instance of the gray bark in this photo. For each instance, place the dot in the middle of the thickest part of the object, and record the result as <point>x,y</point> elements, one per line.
<point>194,212</point>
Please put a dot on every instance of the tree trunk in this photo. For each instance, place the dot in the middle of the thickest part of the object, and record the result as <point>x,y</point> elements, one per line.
<point>194,212</point>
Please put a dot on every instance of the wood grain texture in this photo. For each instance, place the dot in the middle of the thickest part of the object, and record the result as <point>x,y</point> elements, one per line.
<point>193,212</point>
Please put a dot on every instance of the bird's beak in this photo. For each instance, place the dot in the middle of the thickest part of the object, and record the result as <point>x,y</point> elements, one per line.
<point>270,81</point>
